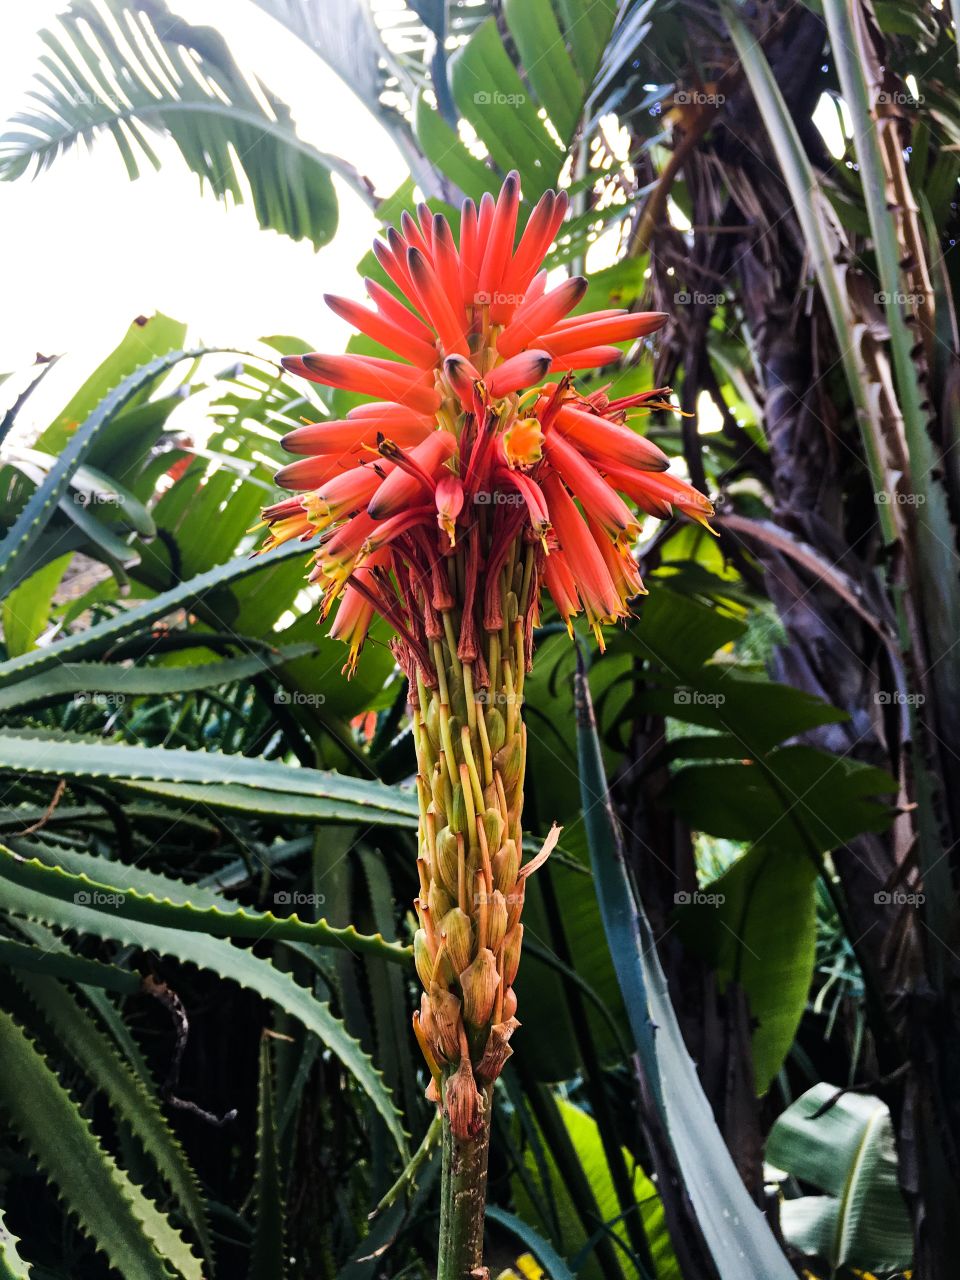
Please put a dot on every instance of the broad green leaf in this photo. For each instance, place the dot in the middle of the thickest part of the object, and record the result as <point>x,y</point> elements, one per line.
<point>849,1153</point>
<point>147,337</point>
<point>448,154</point>
<point>544,57</point>
<point>756,925</point>
<point>585,1136</point>
<point>797,797</point>
<point>105,1204</point>
<point>736,1233</point>
<point>26,609</point>
<point>490,94</point>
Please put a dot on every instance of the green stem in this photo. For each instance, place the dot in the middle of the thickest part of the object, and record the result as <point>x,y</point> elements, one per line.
<point>463,1200</point>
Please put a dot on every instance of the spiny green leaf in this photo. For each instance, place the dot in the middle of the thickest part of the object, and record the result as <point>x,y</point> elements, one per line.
<point>70,679</point>
<point>267,1260</point>
<point>229,962</point>
<point>117,888</point>
<point>129,1097</point>
<point>106,1205</point>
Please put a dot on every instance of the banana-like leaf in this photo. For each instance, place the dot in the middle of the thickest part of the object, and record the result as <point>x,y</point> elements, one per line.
<point>129,70</point>
<point>229,962</point>
<point>736,1233</point>
<point>849,1153</point>
<point>123,1223</point>
<point>239,782</point>
<point>130,1099</point>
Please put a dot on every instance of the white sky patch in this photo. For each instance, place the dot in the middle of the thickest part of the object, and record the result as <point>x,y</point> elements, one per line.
<point>87,250</point>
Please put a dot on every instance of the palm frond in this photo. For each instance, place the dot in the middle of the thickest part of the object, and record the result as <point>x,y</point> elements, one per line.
<point>132,71</point>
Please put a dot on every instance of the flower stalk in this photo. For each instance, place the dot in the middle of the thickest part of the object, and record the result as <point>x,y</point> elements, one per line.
<point>479,477</point>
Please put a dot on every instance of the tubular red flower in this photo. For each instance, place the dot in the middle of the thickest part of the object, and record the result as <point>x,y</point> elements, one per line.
<point>599,501</point>
<point>540,315</point>
<point>609,440</point>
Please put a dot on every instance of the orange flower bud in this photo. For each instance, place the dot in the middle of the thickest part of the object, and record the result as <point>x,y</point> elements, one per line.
<point>479,983</point>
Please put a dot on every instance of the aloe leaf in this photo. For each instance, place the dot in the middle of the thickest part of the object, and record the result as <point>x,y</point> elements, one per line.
<point>95,640</point>
<point>741,1243</point>
<point>129,1097</point>
<point>267,1261</point>
<point>64,964</point>
<point>115,889</point>
<point>41,505</point>
<point>556,1267</point>
<point>209,777</point>
<point>230,962</point>
<point>12,1266</point>
<point>70,679</point>
<point>109,1208</point>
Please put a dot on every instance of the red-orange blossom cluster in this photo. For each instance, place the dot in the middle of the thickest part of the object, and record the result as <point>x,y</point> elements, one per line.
<point>467,430</point>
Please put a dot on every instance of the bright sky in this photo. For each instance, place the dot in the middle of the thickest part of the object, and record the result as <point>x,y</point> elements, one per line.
<point>86,250</point>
